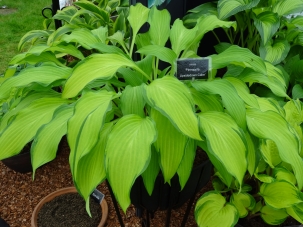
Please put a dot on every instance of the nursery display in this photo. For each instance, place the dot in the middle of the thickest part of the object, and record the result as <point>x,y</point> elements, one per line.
<point>129,113</point>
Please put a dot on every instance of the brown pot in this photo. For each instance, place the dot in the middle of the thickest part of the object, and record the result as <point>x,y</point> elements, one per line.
<point>51,196</point>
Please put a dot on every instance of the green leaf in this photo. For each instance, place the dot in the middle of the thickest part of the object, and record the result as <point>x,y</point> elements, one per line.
<point>159,21</point>
<point>181,38</point>
<point>238,55</point>
<point>150,174</point>
<point>287,7</point>
<point>273,216</point>
<point>55,36</point>
<point>227,8</point>
<point>297,92</point>
<point>172,98</point>
<point>267,24</point>
<point>230,98</point>
<point>213,205</point>
<point>128,153</point>
<point>26,123</point>
<point>27,76</point>
<point>138,15</point>
<point>66,49</point>
<point>33,59</point>
<point>270,153</point>
<point>281,173</point>
<point>296,212</point>
<point>33,34</point>
<point>163,53</point>
<point>252,152</point>
<point>84,126</point>
<point>91,169</point>
<point>207,102</point>
<point>170,144</point>
<point>132,101</point>
<point>186,165</point>
<point>95,66</point>
<point>243,202</point>
<point>280,194</point>
<point>118,37</point>
<point>81,36</point>
<point>261,124</point>
<point>264,178</point>
<point>226,142</point>
<point>275,52</point>
<point>45,144</point>
<point>92,8</point>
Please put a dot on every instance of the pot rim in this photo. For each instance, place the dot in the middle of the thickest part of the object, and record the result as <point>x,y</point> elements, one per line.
<point>62,191</point>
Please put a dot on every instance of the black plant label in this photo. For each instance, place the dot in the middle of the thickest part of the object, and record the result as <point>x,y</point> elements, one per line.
<point>195,68</point>
<point>97,196</point>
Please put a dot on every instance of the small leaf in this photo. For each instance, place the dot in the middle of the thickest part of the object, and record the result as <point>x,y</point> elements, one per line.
<point>275,52</point>
<point>280,194</point>
<point>163,53</point>
<point>138,15</point>
<point>243,202</point>
<point>213,205</point>
<point>273,216</point>
<point>296,211</point>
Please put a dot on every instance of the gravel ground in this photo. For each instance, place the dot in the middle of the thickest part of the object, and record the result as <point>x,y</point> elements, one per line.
<point>19,195</point>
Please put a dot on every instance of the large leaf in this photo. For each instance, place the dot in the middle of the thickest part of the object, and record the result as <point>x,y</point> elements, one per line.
<point>261,124</point>
<point>267,24</point>
<point>186,165</point>
<point>226,142</point>
<point>25,125</point>
<point>91,169</point>
<point>273,216</point>
<point>132,101</point>
<point>159,26</point>
<point>287,7</point>
<point>207,102</point>
<point>163,53</point>
<point>84,126</point>
<point>45,144</point>
<point>33,59</point>
<point>128,152</point>
<point>227,8</point>
<point>275,52</point>
<point>296,212</point>
<point>44,74</point>
<point>95,66</point>
<point>213,205</point>
<point>150,174</point>
<point>231,101</point>
<point>172,98</point>
<point>236,54</point>
<point>170,144</point>
<point>273,192</point>
<point>33,34</point>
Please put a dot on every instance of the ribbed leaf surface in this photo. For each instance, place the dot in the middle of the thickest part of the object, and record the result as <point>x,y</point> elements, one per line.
<point>172,98</point>
<point>24,126</point>
<point>243,202</point>
<point>275,52</point>
<point>225,140</point>
<point>128,153</point>
<point>261,124</point>
<point>213,205</point>
<point>287,7</point>
<point>132,101</point>
<point>273,216</point>
<point>227,8</point>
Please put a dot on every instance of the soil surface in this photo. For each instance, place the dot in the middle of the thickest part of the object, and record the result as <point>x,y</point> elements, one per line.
<point>19,195</point>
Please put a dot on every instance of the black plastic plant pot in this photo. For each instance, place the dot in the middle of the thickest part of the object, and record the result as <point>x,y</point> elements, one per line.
<point>166,197</point>
<point>20,163</point>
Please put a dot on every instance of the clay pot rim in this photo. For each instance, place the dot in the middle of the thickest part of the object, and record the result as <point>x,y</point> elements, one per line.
<point>62,191</point>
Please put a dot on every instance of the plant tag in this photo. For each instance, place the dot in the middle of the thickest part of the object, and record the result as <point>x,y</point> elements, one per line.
<point>97,196</point>
<point>193,68</point>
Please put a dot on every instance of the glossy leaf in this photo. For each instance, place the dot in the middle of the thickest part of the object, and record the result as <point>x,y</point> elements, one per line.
<point>273,192</point>
<point>128,153</point>
<point>213,205</point>
<point>172,98</point>
<point>226,142</point>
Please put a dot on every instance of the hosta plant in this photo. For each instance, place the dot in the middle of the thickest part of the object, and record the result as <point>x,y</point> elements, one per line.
<point>126,117</point>
<point>272,136</point>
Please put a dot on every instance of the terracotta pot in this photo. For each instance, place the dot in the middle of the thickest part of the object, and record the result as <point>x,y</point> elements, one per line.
<point>51,196</point>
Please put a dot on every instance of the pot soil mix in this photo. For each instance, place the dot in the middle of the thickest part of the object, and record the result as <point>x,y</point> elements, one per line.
<point>69,210</point>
